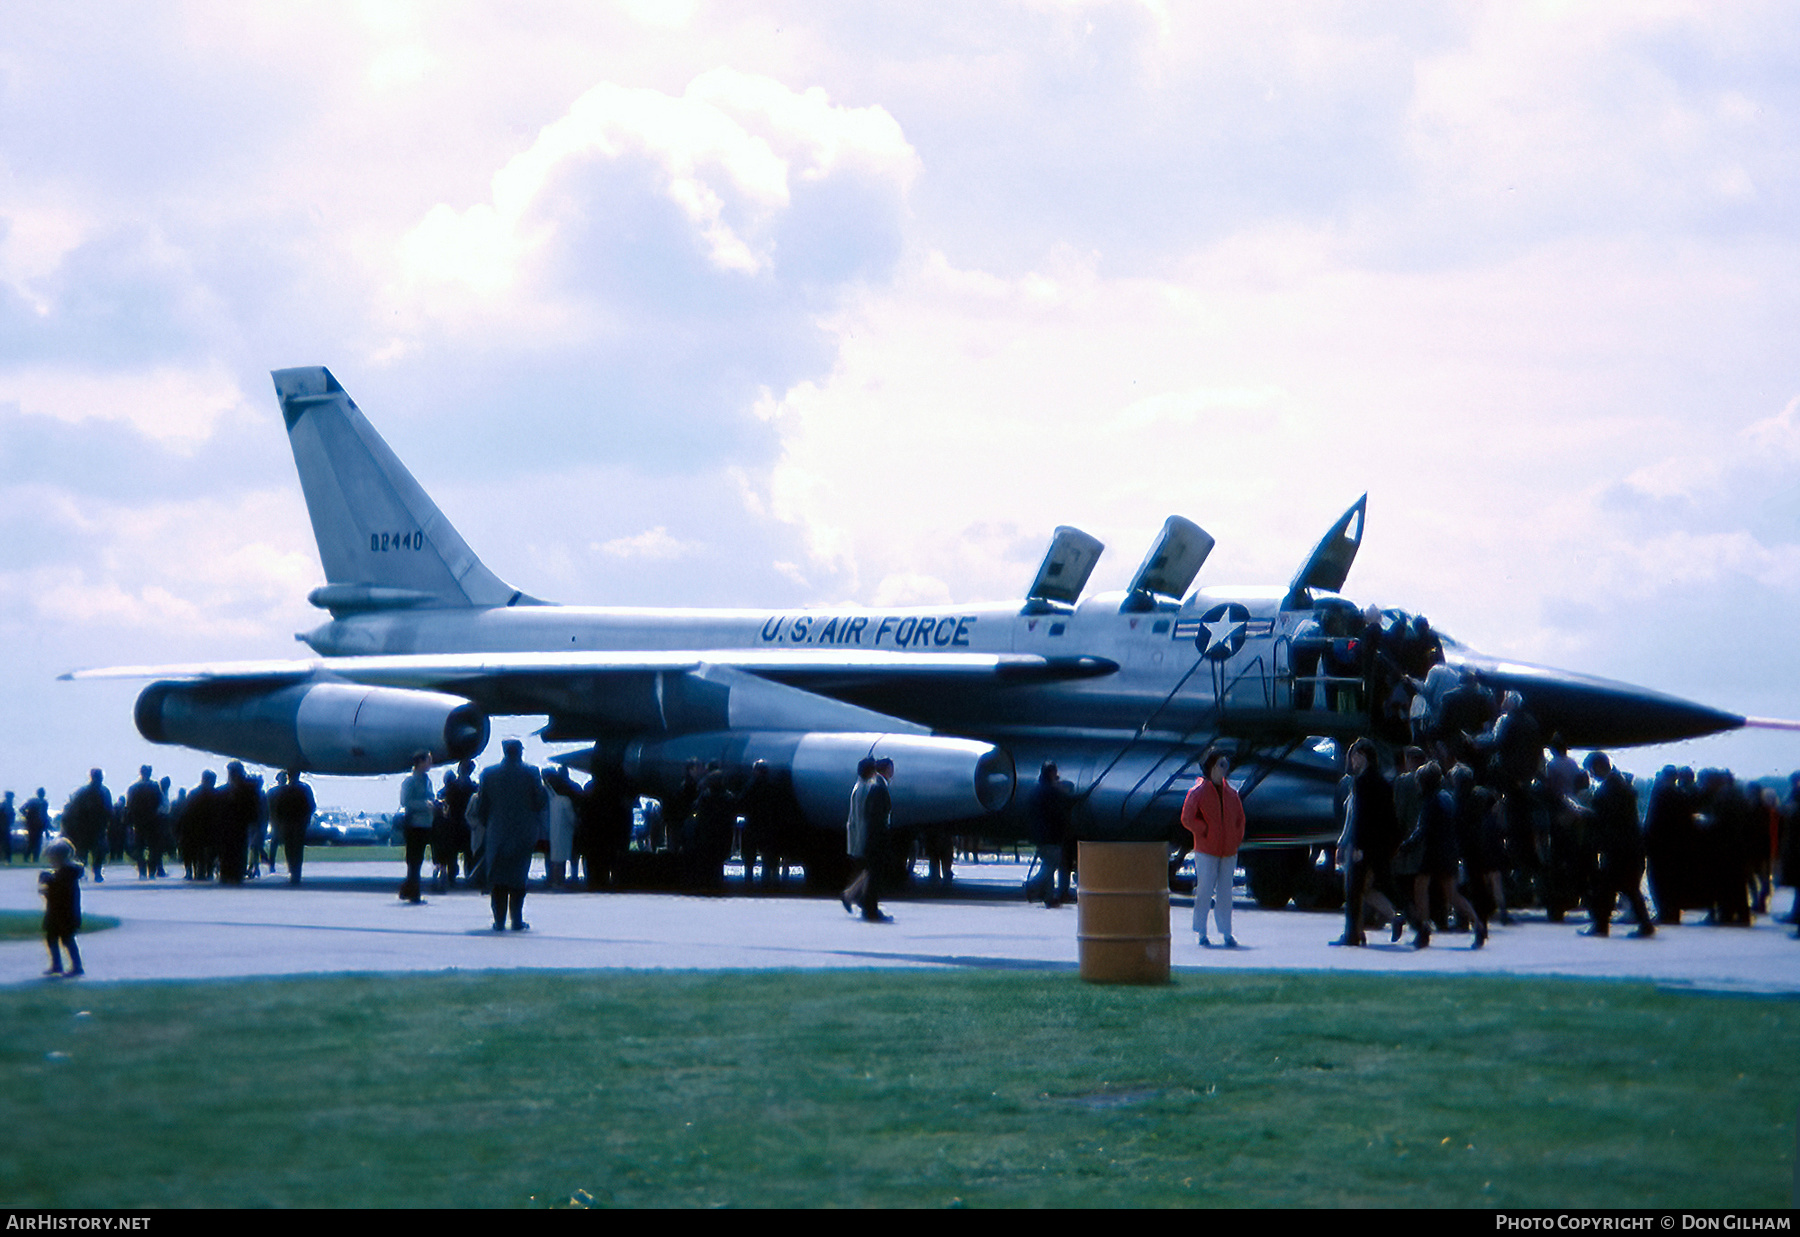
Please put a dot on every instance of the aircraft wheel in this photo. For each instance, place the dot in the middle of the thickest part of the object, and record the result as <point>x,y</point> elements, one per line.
<point>1270,877</point>
<point>1321,885</point>
<point>822,858</point>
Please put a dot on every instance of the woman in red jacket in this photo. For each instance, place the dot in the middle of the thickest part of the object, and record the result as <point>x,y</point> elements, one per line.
<point>1214,814</point>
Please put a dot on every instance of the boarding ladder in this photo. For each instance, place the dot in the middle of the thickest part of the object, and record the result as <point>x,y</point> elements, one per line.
<point>1269,684</point>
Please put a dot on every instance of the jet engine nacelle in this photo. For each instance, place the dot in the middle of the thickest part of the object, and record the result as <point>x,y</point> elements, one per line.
<point>936,780</point>
<point>314,727</point>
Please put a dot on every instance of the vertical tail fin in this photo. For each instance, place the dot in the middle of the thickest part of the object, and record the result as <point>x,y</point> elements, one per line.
<point>383,542</point>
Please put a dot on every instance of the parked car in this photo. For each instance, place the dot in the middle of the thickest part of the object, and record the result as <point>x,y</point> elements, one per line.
<point>336,827</point>
<point>327,828</point>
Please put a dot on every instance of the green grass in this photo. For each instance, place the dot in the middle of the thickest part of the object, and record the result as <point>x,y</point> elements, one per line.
<point>352,854</point>
<point>895,1088</point>
<point>29,925</point>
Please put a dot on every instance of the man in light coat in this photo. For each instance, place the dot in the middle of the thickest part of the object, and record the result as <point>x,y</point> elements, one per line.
<point>417,805</point>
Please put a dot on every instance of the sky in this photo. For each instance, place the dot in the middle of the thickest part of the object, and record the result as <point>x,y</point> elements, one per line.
<point>777,305</point>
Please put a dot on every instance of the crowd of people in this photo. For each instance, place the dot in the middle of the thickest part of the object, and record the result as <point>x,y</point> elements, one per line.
<point>1479,810</point>
<point>1476,814</point>
<point>228,832</point>
<point>211,830</point>
<point>1371,661</point>
<point>1483,814</point>
<point>238,829</point>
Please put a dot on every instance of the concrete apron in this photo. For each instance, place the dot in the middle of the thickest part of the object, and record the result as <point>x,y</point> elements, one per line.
<point>346,918</point>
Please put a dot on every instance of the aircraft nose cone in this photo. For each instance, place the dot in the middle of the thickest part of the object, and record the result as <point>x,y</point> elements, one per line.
<point>1592,712</point>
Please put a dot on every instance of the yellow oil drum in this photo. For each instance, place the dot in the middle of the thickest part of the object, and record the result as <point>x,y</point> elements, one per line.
<point>1123,928</point>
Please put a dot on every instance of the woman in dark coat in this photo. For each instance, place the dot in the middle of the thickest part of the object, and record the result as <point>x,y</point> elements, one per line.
<point>1437,823</point>
<point>1366,848</point>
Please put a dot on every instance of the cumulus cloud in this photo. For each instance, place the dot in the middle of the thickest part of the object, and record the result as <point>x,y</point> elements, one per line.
<point>646,265</point>
<point>654,544</point>
<point>237,562</point>
<point>912,589</point>
<point>1729,484</point>
<point>176,406</point>
<point>1778,435</point>
<point>1591,118</point>
<point>34,239</point>
<point>727,152</point>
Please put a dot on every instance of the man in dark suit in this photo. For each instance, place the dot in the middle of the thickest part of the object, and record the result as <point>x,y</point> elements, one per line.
<point>512,805</point>
<point>1620,844</point>
<point>878,819</point>
<point>86,819</point>
<point>866,833</point>
<point>143,805</point>
<point>292,808</point>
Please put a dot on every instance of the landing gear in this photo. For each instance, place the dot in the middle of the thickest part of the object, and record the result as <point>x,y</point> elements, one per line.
<point>1293,874</point>
<point>1271,878</point>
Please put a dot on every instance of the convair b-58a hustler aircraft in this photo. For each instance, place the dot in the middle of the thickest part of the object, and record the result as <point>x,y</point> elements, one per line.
<point>1122,690</point>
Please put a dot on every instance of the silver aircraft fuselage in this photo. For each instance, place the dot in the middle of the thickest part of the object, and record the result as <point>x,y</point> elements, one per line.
<point>1123,691</point>
<point>1118,733</point>
<point>1126,731</point>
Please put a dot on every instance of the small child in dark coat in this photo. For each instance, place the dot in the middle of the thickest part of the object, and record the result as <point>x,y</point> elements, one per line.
<point>62,905</point>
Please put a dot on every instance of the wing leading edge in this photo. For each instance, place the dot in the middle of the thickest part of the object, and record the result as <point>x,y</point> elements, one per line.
<point>217,706</point>
<point>428,670</point>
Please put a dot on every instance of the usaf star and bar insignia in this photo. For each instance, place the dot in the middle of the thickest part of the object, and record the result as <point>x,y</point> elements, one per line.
<point>1222,630</point>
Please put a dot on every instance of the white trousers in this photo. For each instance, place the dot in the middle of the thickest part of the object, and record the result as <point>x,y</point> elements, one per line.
<point>1212,885</point>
